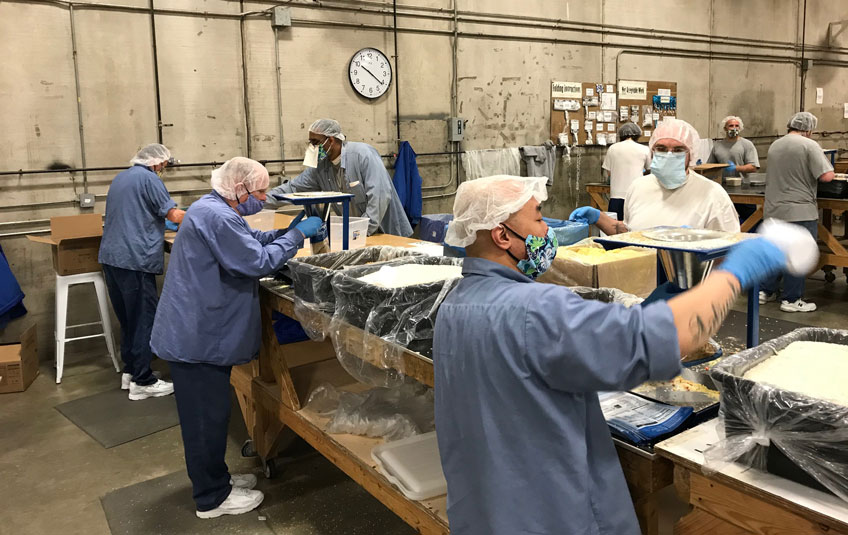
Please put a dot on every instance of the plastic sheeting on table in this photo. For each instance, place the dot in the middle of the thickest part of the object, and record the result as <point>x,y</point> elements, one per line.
<point>392,413</point>
<point>786,433</point>
<point>404,317</point>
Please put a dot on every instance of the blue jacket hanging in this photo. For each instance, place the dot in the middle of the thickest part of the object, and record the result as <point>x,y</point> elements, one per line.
<point>407,183</point>
<point>11,295</point>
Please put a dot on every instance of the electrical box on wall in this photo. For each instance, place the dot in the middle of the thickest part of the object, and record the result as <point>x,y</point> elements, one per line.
<point>281,17</point>
<point>86,200</point>
<point>456,128</point>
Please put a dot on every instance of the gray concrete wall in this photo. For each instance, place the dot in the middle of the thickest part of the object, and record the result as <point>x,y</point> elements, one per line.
<point>505,64</point>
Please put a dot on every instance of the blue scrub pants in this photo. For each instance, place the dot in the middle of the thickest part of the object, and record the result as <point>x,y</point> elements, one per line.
<point>793,287</point>
<point>134,298</point>
<point>202,392</point>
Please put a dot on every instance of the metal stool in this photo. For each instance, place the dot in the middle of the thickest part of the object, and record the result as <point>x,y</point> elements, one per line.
<point>62,285</point>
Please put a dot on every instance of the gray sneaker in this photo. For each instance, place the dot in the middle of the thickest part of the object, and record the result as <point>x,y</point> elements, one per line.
<point>239,501</point>
<point>158,389</point>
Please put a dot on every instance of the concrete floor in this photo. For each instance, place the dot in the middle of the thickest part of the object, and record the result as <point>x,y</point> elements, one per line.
<point>53,474</point>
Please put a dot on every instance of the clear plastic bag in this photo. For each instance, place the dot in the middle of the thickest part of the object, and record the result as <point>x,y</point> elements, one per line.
<point>393,320</point>
<point>779,431</point>
<point>607,295</point>
<point>312,281</point>
<point>392,413</point>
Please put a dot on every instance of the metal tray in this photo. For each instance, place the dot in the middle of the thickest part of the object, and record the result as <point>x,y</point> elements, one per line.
<point>685,234</point>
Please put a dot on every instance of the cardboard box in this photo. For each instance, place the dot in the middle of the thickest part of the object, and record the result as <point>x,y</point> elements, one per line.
<point>19,363</point>
<point>76,243</point>
<point>635,275</point>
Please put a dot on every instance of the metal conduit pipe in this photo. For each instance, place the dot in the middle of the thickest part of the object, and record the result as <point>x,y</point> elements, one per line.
<point>279,87</point>
<point>79,98</point>
<point>146,10</point>
<point>244,80</point>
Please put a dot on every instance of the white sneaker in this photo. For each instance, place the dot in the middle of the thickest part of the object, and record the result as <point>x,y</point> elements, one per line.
<point>126,379</point>
<point>239,501</point>
<point>767,297</point>
<point>158,389</point>
<point>243,481</point>
<point>797,306</point>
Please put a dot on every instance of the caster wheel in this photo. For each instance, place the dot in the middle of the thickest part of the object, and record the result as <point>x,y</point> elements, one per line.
<point>272,468</point>
<point>247,449</point>
<point>829,276</point>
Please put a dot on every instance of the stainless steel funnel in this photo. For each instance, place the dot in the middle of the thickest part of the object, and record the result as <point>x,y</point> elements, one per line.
<point>683,268</point>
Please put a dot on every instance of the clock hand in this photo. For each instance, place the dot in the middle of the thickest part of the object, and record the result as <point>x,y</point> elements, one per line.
<point>372,74</point>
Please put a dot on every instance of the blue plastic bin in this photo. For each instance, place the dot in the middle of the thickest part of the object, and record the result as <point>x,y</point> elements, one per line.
<point>568,232</point>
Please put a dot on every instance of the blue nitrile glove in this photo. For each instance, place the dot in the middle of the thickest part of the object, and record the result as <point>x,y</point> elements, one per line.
<point>585,214</point>
<point>754,261</point>
<point>730,169</point>
<point>170,225</point>
<point>310,226</point>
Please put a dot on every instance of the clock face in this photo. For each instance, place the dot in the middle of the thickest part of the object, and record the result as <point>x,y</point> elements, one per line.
<point>370,73</point>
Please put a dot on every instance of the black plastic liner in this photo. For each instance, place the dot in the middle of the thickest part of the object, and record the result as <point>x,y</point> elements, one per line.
<point>786,433</point>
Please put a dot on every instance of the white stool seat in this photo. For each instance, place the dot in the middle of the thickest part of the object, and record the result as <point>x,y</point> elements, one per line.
<point>62,285</point>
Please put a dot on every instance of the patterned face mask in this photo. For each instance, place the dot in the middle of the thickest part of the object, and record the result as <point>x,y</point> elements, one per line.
<point>541,251</point>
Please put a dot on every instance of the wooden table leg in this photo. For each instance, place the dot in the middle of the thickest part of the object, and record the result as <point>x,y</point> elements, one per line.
<point>597,201</point>
<point>645,478</point>
<point>753,219</point>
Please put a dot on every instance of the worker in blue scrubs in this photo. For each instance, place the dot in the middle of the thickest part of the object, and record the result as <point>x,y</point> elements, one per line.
<point>518,364</point>
<point>132,254</point>
<point>333,164</point>
<point>208,322</point>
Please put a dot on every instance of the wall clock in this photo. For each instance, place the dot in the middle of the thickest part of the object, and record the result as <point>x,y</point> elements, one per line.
<point>370,73</point>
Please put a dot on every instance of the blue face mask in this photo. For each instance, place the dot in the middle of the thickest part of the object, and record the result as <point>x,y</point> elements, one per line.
<point>669,168</point>
<point>541,251</point>
<point>250,206</point>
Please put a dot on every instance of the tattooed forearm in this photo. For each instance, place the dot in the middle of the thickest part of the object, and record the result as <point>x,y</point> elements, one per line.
<point>704,325</point>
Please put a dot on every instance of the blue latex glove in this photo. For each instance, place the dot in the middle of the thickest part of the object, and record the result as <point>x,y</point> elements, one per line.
<point>310,226</point>
<point>730,170</point>
<point>585,214</point>
<point>754,261</point>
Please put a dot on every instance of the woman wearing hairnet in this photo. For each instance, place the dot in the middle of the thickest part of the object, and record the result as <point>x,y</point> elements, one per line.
<point>208,322</point>
<point>334,164</point>
<point>673,194</point>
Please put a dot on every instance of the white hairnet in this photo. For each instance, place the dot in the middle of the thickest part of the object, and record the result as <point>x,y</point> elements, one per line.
<point>485,203</point>
<point>629,129</point>
<point>732,118</point>
<point>151,155</point>
<point>239,171</point>
<point>803,121</point>
<point>677,130</point>
<point>327,127</point>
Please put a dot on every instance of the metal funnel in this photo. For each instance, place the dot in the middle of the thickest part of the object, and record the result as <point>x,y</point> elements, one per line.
<point>683,268</point>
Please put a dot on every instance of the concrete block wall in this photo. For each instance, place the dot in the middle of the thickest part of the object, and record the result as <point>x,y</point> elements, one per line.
<point>507,53</point>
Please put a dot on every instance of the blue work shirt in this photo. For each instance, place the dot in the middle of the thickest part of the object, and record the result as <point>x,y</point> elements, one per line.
<point>523,442</point>
<point>134,226</point>
<point>209,308</point>
<point>365,177</point>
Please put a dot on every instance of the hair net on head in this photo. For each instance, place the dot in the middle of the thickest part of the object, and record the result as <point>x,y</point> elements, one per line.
<point>238,176</point>
<point>485,203</point>
<point>732,118</point>
<point>803,121</point>
<point>629,129</point>
<point>677,130</point>
<point>151,155</point>
<point>327,127</point>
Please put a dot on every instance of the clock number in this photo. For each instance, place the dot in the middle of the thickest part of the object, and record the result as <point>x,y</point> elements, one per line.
<point>357,80</point>
<point>363,88</point>
<point>355,72</point>
<point>369,54</point>
<point>357,64</point>
<point>384,73</point>
<point>370,90</point>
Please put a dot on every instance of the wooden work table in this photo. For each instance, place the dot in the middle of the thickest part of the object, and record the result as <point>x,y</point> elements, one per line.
<point>740,500</point>
<point>833,250</point>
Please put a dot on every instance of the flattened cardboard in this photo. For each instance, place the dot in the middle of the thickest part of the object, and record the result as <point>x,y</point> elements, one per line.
<point>19,363</point>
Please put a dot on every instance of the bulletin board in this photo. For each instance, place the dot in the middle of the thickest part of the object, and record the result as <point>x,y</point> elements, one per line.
<point>600,109</point>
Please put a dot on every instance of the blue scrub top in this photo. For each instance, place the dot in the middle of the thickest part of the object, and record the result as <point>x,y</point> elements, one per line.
<point>366,178</point>
<point>523,442</point>
<point>134,227</point>
<point>209,308</point>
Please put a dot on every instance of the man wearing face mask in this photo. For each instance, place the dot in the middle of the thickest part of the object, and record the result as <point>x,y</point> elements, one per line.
<point>735,150</point>
<point>673,194</point>
<point>334,164</point>
<point>208,321</point>
<point>132,254</point>
<point>796,164</point>
<point>518,364</point>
